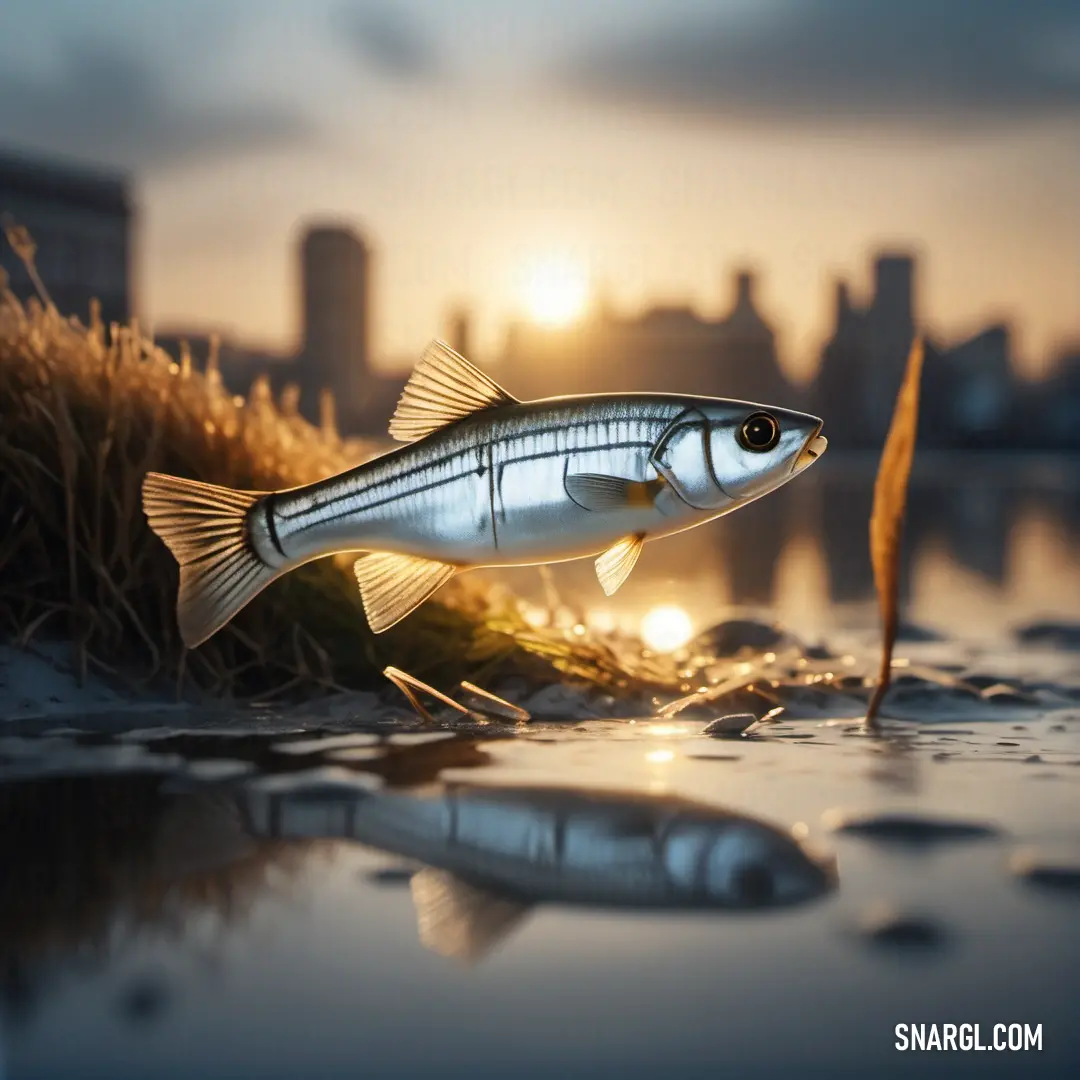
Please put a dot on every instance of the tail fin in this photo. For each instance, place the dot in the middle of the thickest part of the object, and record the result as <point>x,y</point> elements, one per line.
<point>205,527</point>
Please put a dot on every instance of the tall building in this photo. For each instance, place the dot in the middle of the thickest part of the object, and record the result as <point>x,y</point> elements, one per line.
<point>1052,416</point>
<point>335,348</point>
<point>335,270</point>
<point>746,351</point>
<point>890,329</point>
<point>862,363</point>
<point>80,219</point>
<point>978,390</point>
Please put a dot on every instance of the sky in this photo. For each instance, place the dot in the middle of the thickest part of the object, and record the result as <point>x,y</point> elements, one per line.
<point>659,147</point>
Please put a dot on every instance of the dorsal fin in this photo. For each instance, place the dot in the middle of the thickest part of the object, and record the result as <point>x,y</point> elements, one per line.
<point>443,387</point>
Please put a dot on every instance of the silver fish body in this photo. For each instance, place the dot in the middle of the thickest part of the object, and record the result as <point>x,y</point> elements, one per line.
<point>522,846</point>
<point>492,490</point>
<point>485,480</point>
<point>584,847</point>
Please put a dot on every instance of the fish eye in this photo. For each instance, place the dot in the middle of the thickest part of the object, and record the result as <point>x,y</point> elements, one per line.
<point>759,432</point>
<point>754,885</point>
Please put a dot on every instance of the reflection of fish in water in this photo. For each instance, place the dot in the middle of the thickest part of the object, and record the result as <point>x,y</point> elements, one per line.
<point>487,480</point>
<point>492,852</point>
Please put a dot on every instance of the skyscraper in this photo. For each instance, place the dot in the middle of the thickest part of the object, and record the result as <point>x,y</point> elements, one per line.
<point>80,219</point>
<point>336,319</point>
<point>746,350</point>
<point>890,325</point>
<point>863,362</point>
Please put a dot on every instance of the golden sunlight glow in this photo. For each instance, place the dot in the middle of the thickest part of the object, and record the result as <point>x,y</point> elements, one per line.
<point>601,620</point>
<point>665,731</point>
<point>556,289</point>
<point>666,628</point>
<point>660,757</point>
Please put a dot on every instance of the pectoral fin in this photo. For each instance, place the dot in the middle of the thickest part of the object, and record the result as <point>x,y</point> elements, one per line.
<point>614,566</point>
<point>393,585</point>
<point>458,920</point>
<point>594,491</point>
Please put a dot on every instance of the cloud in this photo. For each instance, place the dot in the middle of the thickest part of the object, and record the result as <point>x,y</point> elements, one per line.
<point>916,63</point>
<point>389,41</point>
<point>112,105</point>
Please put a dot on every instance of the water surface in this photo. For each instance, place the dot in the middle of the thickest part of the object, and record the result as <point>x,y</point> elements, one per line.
<point>205,896</point>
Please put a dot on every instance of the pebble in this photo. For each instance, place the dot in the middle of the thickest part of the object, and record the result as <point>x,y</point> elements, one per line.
<point>144,1000</point>
<point>912,632</point>
<point>1061,875</point>
<point>729,727</point>
<point>886,926</point>
<point>729,637</point>
<point>390,876</point>
<point>908,829</point>
<point>556,701</point>
<point>1056,635</point>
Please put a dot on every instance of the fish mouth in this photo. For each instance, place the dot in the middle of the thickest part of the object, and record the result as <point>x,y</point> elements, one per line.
<point>814,448</point>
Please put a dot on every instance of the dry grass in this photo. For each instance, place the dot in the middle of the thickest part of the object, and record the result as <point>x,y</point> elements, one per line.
<point>85,413</point>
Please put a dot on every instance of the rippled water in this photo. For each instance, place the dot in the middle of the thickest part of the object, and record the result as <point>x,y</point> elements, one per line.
<point>341,891</point>
<point>209,903</point>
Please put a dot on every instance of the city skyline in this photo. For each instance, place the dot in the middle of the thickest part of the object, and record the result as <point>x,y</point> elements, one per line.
<point>641,142</point>
<point>492,331</point>
<point>797,292</point>
<point>83,225</point>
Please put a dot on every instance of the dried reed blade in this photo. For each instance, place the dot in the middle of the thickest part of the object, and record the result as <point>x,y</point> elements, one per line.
<point>406,683</point>
<point>887,517</point>
<point>710,693</point>
<point>503,709</point>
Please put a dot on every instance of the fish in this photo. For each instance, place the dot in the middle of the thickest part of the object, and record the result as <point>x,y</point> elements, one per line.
<point>482,480</point>
<point>488,854</point>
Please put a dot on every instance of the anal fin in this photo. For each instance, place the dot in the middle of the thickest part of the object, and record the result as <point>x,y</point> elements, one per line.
<point>594,491</point>
<point>458,920</point>
<point>614,566</point>
<point>392,585</point>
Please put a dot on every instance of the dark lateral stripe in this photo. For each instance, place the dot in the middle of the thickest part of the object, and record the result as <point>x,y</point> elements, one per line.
<point>393,477</point>
<point>491,493</point>
<point>638,444</point>
<point>271,527</point>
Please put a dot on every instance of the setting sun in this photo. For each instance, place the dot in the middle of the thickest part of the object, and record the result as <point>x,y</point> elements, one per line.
<point>556,289</point>
<point>666,628</point>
